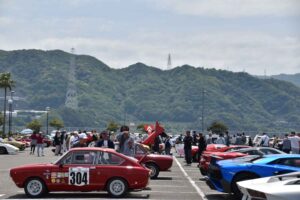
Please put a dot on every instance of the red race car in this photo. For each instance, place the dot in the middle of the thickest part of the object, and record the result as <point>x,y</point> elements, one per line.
<point>83,169</point>
<point>218,150</point>
<point>155,162</point>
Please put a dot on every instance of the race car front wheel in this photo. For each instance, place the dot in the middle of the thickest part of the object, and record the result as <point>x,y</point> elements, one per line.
<point>35,187</point>
<point>117,187</point>
<point>154,170</point>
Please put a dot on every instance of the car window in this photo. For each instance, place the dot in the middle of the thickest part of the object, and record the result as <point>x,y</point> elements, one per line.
<point>67,159</point>
<point>293,162</point>
<point>83,157</point>
<point>268,151</point>
<point>106,158</point>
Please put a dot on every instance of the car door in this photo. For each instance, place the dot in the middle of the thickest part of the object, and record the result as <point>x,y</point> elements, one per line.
<point>76,172</point>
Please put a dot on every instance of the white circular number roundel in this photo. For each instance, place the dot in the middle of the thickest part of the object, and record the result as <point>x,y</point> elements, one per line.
<point>79,176</point>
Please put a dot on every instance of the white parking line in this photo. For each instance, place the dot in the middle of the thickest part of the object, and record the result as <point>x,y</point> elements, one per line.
<point>199,191</point>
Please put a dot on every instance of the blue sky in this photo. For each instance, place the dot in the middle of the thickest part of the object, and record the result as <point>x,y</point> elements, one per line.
<point>237,35</point>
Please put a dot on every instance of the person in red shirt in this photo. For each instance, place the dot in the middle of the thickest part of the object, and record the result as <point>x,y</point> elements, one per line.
<point>40,144</point>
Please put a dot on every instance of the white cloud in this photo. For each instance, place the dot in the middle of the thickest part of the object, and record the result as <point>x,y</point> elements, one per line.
<point>231,8</point>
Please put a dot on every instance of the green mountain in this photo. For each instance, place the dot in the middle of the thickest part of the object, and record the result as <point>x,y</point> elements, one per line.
<point>293,78</point>
<point>140,93</point>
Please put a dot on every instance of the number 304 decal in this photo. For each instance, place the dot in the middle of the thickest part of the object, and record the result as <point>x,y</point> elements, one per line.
<point>79,176</point>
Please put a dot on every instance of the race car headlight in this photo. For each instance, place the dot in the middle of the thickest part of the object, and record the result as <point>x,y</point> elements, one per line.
<point>257,195</point>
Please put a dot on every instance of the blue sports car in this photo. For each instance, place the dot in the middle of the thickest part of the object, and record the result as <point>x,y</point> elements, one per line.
<point>225,174</point>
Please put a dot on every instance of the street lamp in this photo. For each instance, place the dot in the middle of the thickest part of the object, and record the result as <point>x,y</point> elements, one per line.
<point>10,109</point>
<point>47,112</point>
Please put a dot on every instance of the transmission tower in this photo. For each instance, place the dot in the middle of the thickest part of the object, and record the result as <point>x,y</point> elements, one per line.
<point>71,96</point>
<point>169,66</point>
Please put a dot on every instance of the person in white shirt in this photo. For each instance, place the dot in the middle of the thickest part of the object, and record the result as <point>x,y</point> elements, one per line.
<point>221,139</point>
<point>265,140</point>
<point>295,143</point>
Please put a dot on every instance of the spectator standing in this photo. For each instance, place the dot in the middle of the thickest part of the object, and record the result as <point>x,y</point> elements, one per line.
<point>126,143</point>
<point>221,139</point>
<point>57,142</point>
<point>265,140</point>
<point>286,144</point>
<point>40,144</point>
<point>105,142</point>
<point>157,142</point>
<point>233,139</point>
<point>250,143</point>
<point>243,139</point>
<point>195,138</point>
<point>187,141</point>
<point>238,140</point>
<point>209,139</point>
<point>33,142</point>
<point>227,138</point>
<point>168,145</point>
<point>295,142</point>
<point>201,145</point>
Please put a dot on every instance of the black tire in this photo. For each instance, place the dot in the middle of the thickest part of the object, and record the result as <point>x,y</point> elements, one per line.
<point>35,188</point>
<point>203,172</point>
<point>241,177</point>
<point>154,170</point>
<point>117,187</point>
<point>3,150</point>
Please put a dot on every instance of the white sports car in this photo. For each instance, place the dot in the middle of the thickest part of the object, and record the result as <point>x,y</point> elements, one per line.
<point>8,149</point>
<point>280,187</point>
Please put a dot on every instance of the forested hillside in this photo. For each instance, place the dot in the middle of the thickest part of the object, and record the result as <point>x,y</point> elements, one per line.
<point>141,93</point>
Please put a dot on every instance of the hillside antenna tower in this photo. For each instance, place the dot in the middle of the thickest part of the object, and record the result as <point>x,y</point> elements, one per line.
<point>71,96</point>
<point>169,65</point>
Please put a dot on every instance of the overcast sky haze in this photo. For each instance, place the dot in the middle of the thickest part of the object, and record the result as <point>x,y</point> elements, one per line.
<point>237,35</point>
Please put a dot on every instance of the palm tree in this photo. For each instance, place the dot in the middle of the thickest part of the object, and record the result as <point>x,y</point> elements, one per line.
<point>5,82</point>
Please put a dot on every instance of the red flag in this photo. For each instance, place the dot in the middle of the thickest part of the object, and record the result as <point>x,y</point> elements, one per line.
<point>158,130</point>
<point>149,128</point>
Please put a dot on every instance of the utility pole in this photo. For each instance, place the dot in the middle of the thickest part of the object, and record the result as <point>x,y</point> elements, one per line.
<point>202,118</point>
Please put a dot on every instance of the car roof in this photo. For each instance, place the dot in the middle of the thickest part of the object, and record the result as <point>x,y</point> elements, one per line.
<point>93,149</point>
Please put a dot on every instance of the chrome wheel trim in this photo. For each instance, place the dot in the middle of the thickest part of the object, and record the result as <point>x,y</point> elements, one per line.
<point>117,187</point>
<point>34,187</point>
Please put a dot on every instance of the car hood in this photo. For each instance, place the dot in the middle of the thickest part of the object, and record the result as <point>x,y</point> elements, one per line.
<point>33,166</point>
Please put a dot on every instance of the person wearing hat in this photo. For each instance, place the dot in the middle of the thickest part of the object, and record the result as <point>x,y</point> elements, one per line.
<point>105,142</point>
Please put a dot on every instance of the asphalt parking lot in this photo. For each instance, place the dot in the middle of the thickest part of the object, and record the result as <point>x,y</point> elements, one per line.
<point>183,182</point>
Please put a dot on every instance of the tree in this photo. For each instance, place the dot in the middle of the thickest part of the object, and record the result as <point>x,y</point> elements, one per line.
<point>217,127</point>
<point>141,127</point>
<point>112,126</point>
<point>56,123</point>
<point>6,83</point>
<point>35,125</point>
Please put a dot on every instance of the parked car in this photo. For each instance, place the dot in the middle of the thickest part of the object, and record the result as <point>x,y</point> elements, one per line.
<point>220,152</point>
<point>283,187</point>
<point>83,169</point>
<point>47,141</point>
<point>15,143</point>
<point>225,174</point>
<point>155,162</point>
<point>8,149</point>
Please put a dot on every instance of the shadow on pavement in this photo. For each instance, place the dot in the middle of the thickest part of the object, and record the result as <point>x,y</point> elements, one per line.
<point>220,197</point>
<point>82,195</point>
<point>164,178</point>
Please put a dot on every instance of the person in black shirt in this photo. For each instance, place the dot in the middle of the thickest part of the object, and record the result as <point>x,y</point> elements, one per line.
<point>187,141</point>
<point>201,145</point>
